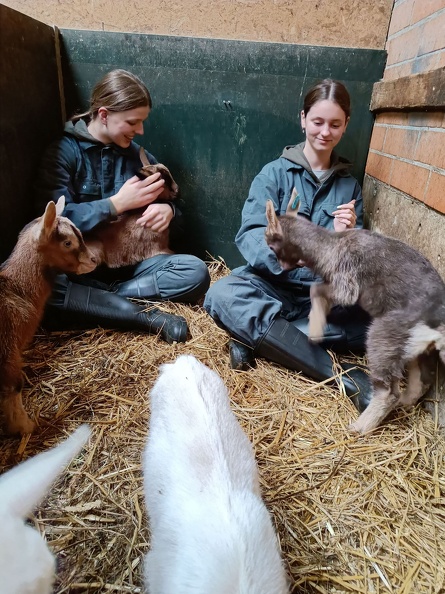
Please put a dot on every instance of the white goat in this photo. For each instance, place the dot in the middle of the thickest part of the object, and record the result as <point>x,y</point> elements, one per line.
<point>210,530</point>
<point>26,564</point>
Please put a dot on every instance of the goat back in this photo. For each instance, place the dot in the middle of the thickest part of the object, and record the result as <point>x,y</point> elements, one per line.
<point>210,529</point>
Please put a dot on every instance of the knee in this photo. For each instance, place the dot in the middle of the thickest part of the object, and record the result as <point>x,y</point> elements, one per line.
<point>201,275</point>
<point>198,278</point>
<point>191,277</point>
<point>217,295</point>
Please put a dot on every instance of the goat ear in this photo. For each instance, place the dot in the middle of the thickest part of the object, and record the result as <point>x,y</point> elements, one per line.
<point>143,157</point>
<point>60,205</point>
<point>49,219</point>
<point>24,486</point>
<point>294,204</point>
<point>273,224</point>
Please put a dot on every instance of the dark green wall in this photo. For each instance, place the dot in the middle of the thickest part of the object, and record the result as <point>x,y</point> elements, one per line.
<point>30,115</point>
<point>214,149</point>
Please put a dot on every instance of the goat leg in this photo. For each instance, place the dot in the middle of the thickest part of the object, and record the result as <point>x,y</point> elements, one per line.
<point>320,307</point>
<point>421,372</point>
<point>17,420</point>
<point>383,401</point>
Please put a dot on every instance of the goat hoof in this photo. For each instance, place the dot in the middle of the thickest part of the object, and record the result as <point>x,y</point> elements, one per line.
<point>21,426</point>
<point>354,428</point>
<point>315,339</point>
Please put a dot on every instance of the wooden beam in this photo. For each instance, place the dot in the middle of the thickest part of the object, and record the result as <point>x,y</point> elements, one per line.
<point>423,91</point>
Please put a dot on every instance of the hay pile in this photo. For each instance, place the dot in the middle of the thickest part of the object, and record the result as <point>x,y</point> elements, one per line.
<point>353,514</point>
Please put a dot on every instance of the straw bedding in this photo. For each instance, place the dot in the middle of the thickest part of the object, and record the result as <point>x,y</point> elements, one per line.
<point>353,514</point>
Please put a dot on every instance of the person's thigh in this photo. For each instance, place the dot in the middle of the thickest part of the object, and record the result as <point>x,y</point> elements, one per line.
<point>245,305</point>
<point>176,276</point>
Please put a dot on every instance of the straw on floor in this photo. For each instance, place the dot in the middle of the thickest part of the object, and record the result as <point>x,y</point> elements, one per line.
<point>353,514</point>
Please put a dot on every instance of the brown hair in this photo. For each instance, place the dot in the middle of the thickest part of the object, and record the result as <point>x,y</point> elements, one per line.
<point>118,90</point>
<point>332,90</point>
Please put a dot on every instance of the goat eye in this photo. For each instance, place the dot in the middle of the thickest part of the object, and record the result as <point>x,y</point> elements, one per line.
<point>67,243</point>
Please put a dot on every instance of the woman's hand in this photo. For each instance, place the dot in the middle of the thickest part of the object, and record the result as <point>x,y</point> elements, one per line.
<point>136,192</point>
<point>156,217</point>
<point>344,216</point>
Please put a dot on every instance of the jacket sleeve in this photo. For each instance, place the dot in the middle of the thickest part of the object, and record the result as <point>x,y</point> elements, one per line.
<point>250,239</point>
<point>56,178</point>
<point>57,167</point>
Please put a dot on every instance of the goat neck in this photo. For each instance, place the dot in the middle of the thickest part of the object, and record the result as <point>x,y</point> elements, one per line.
<point>310,243</point>
<point>27,270</point>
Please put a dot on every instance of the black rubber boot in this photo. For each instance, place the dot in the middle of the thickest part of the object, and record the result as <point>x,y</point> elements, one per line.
<point>286,345</point>
<point>143,286</point>
<point>192,296</point>
<point>86,307</point>
<point>349,337</point>
<point>241,356</point>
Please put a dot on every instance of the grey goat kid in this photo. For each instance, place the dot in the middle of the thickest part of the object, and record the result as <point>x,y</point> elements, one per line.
<point>395,284</point>
<point>46,246</point>
<point>123,242</point>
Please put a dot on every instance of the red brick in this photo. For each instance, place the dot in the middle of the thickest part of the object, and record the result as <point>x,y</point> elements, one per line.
<point>409,178</point>
<point>401,17</point>
<point>394,118</point>
<point>424,8</point>
<point>378,137</point>
<point>404,46</point>
<point>401,142</point>
<point>424,63</point>
<point>397,71</point>
<point>431,148</point>
<point>432,36</point>
<point>379,167</point>
<point>426,119</point>
<point>435,192</point>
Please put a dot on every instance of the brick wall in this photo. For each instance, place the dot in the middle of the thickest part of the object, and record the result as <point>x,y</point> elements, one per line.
<point>416,37</point>
<point>407,149</point>
<point>407,152</point>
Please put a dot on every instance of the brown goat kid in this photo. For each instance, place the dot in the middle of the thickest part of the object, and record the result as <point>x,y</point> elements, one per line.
<point>46,246</point>
<point>123,242</point>
<point>390,280</point>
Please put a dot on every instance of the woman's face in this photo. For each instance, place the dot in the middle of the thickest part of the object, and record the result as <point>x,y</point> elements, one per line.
<point>325,124</point>
<point>121,127</point>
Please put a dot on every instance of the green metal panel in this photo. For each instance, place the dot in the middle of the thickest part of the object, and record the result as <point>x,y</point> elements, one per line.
<point>222,109</point>
<point>30,116</point>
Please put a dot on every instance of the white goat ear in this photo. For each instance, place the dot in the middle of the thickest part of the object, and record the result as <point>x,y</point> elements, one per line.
<point>23,487</point>
<point>60,205</point>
